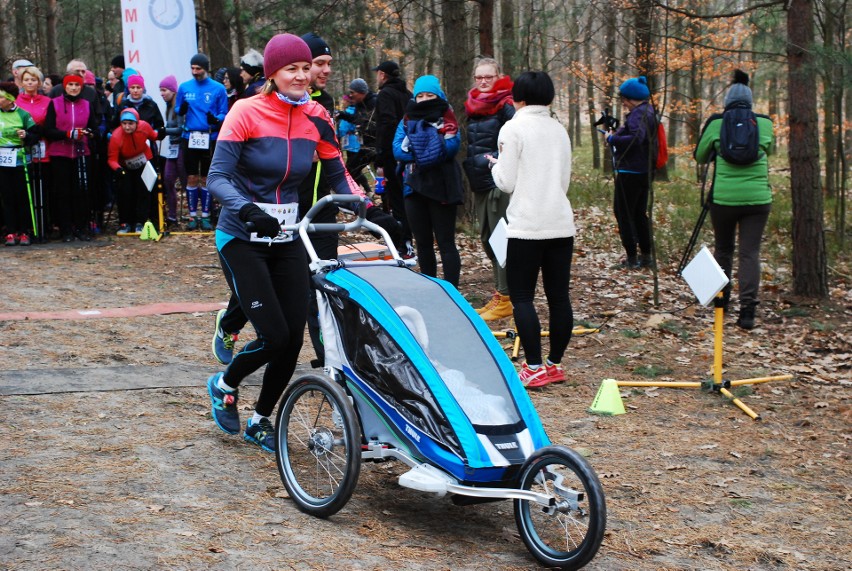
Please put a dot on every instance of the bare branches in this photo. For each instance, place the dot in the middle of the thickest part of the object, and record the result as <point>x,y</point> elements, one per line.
<point>688,14</point>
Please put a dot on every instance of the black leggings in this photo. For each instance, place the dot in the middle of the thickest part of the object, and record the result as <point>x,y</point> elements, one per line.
<point>428,217</point>
<point>524,258</point>
<point>325,245</point>
<point>631,205</point>
<point>133,199</point>
<point>271,284</point>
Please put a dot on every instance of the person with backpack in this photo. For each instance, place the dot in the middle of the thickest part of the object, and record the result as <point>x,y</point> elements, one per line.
<point>738,142</point>
<point>634,157</point>
<point>426,141</point>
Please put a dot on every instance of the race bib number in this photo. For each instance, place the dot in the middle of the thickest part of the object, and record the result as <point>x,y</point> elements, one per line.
<point>286,214</point>
<point>170,148</point>
<point>199,140</point>
<point>136,162</point>
<point>39,151</point>
<point>8,157</point>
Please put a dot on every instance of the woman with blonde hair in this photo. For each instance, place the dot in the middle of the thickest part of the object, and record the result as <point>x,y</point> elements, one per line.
<point>35,103</point>
<point>488,107</point>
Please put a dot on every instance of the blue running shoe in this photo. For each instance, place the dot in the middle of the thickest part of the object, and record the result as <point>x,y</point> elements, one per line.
<point>223,343</point>
<point>225,412</point>
<point>262,434</point>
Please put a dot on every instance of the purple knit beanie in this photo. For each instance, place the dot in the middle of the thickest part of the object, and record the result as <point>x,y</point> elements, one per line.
<point>170,83</point>
<point>284,49</point>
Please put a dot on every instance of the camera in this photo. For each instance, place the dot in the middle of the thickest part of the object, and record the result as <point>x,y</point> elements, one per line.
<point>609,122</point>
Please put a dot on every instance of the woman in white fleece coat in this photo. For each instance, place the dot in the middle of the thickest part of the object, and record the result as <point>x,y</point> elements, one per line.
<point>534,166</point>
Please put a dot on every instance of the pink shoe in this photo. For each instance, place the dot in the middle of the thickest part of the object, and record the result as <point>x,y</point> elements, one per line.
<point>533,378</point>
<point>555,374</point>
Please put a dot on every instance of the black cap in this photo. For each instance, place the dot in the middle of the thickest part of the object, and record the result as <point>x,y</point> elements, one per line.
<point>317,45</point>
<point>389,67</point>
<point>117,61</point>
<point>201,60</point>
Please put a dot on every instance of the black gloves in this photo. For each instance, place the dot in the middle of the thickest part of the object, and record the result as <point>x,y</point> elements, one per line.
<point>119,173</point>
<point>390,224</point>
<point>265,225</point>
<point>212,119</point>
<point>184,107</point>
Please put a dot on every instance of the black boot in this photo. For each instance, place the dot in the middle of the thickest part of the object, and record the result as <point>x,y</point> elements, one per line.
<point>646,261</point>
<point>746,320</point>
<point>629,263</point>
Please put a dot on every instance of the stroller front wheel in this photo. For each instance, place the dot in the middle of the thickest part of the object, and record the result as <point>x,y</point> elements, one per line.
<point>318,445</point>
<point>567,534</point>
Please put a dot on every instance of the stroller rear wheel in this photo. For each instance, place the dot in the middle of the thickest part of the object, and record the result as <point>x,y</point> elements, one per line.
<point>318,445</point>
<point>568,534</point>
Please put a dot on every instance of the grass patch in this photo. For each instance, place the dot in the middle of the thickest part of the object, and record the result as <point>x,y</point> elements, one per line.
<point>820,326</point>
<point>742,391</point>
<point>795,311</point>
<point>619,361</point>
<point>675,328</point>
<point>630,333</point>
<point>652,371</point>
<point>741,503</point>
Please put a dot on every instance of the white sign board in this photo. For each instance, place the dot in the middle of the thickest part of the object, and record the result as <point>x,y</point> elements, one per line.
<point>159,40</point>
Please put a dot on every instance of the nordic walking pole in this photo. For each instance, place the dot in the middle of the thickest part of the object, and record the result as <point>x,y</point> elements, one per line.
<point>30,195</point>
<point>40,194</point>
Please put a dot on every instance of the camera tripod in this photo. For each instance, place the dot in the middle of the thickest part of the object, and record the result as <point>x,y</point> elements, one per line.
<point>717,383</point>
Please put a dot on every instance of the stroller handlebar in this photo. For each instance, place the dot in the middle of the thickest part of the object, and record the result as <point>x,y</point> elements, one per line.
<point>352,203</point>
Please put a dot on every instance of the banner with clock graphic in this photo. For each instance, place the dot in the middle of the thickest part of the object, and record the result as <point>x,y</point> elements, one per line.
<point>159,40</point>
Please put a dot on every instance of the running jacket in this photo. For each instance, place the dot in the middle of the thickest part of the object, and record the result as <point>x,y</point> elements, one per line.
<point>202,96</point>
<point>36,105</point>
<point>123,146</point>
<point>265,150</point>
<point>10,121</point>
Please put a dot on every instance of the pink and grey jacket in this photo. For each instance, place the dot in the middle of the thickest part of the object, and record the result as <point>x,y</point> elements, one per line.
<point>264,151</point>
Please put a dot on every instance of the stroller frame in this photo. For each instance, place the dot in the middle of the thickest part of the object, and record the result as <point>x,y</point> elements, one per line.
<point>360,410</point>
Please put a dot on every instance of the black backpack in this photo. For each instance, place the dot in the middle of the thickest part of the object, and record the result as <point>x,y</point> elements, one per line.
<point>739,139</point>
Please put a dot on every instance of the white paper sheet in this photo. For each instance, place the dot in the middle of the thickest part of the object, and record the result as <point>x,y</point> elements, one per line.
<point>704,276</point>
<point>149,176</point>
<point>498,242</point>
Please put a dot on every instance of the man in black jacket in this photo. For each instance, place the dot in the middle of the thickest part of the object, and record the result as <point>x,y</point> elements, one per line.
<point>391,102</point>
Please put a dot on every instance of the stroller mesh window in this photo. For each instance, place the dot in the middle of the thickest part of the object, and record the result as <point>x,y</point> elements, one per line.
<point>451,343</point>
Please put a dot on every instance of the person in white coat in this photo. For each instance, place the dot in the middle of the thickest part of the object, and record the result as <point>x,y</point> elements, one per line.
<point>534,167</point>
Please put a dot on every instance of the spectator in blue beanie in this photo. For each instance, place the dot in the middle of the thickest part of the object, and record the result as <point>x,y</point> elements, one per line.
<point>633,162</point>
<point>426,142</point>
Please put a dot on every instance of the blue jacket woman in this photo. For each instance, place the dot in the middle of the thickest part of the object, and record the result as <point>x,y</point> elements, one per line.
<point>426,142</point>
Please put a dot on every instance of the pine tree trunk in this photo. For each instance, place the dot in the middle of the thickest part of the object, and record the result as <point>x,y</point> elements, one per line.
<point>486,27</point>
<point>218,35</point>
<point>809,258</point>
<point>508,39</point>
<point>52,56</point>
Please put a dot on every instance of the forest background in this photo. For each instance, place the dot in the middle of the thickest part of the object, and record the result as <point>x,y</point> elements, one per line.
<point>796,51</point>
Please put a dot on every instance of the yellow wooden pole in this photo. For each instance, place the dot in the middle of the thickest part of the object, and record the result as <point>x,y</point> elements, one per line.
<point>757,380</point>
<point>739,403</point>
<point>662,384</point>
<point>718,344</point>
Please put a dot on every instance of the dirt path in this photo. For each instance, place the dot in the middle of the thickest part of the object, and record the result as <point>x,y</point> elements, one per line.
<point>116,475</point>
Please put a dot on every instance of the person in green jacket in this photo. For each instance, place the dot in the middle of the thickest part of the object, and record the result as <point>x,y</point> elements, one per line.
<point>741,199</point>
<point>17,132</point>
